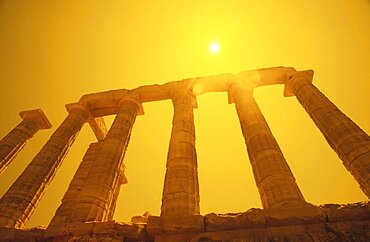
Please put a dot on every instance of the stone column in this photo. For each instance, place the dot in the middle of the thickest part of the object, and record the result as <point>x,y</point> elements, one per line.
<point>348,140</point>
<point>19,202</point>
<point>181,189</point>
<point>99,192</point>
<point>274,179</point>
<point>15,140</point>
<point>70,197</point>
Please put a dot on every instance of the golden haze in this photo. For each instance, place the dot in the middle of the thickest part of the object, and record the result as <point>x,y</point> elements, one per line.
<point>52,52</point>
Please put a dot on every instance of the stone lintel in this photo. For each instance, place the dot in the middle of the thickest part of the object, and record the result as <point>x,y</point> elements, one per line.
<point>105,103</point>
<point>99,128</point>
<point>102,96</point>
<point>151,93</point>
<point>212,83</point>
<point>38,115</point>
<point>307,74</point>
<point>266,76</point>
<point>110,105</point>
<point>215,83</point>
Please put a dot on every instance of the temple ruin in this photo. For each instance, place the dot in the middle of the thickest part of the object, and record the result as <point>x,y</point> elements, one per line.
<point>87,208</point>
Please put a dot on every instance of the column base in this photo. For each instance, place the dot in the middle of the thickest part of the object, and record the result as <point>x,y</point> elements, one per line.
<point>175,224</point>
<point>299,213</point>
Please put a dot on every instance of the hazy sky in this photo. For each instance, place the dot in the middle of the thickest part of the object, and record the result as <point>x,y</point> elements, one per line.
<point>53,52</point>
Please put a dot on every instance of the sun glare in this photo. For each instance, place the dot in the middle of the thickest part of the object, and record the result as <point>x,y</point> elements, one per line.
<point>198,89</point>
<point>214,47</point>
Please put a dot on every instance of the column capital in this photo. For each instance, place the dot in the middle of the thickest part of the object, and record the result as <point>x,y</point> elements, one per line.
<point>36,115</point>
<point>80,108</point>
<point>306,75</point>
<point>97,124</point>
<point>184,93</point>
<point>238,86</point>
<point>135,98</point>
<point>182,88</point>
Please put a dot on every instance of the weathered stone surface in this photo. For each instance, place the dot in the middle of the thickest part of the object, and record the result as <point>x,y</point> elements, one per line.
<point>88,206</point>
<point>247,235</point>
<point>100,231</point>
<point>19,202</point>
<point>348,140</point>
<point>38,116</point>
<point>98,127</point>
<point>62,215</point>
<point>16,139</point>
<point>112,231</point>
<point>252,218</point>
<point>97,197</point>
<point>141,219</point>
<point>347,212</point>
<point>181,188</point>
<point>275,181</point>
<point>175,224</point>
<point>105,103</point>
<point>301,213</point>
<point>18,235</point>
<point>333,232</point>
<point>255,218</point>
<point>124,230</point>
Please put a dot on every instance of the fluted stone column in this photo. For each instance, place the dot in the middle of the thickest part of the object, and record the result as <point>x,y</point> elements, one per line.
<point>181,188</point>
<point>15,140</point>
<point>70,197</point>
<point>99,192</point>
<point>348,140</point>
<point>274,179</point>
<point>19,202</point>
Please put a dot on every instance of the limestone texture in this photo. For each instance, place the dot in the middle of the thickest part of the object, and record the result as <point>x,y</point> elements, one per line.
<point>274,179</point>
<point>16,139</point>
<point>96,199</point>
<point>343,222</point>
<point>181,189</point>
<point>347,139</point>
<point>87,208</point>
<point>19,202</point>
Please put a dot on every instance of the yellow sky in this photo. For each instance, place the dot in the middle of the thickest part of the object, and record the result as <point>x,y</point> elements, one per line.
<point>53,52</point>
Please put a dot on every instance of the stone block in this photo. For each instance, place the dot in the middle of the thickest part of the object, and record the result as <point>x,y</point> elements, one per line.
<point>252,218</point>
<point>141,219</point>
<point>290,214</point>
<point>121,230</point>
<point>244,235</point>
<point>175,224</point>
<point>347,212</point>
<point>19,235</point>
<point>183,237</point>
<point>79,228</point>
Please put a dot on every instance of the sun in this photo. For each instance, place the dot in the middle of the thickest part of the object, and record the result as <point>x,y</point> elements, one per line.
<point>214,47</point>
